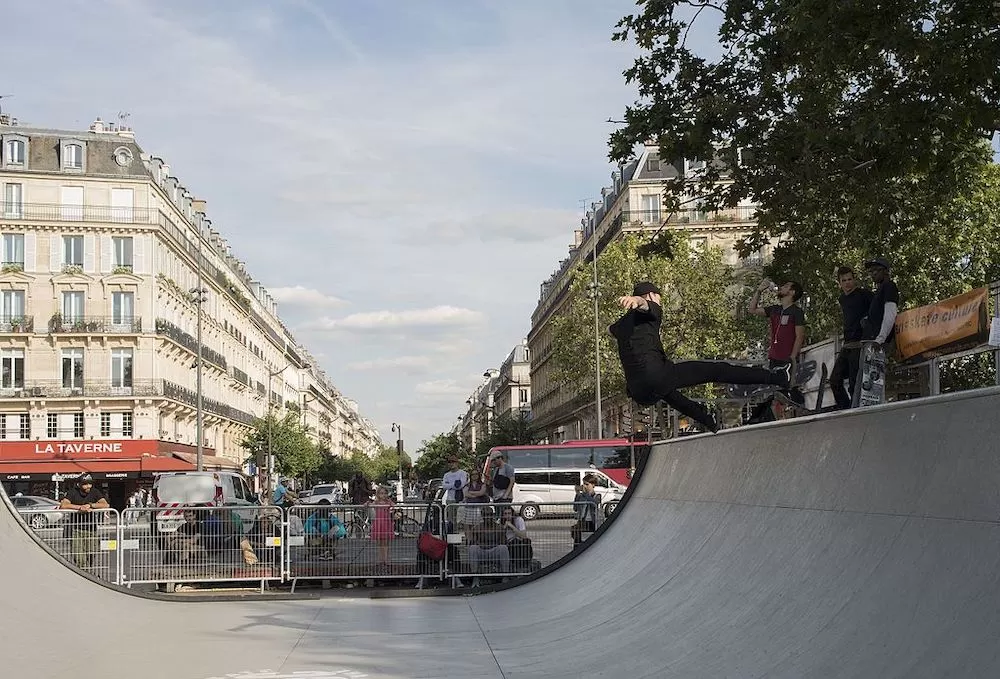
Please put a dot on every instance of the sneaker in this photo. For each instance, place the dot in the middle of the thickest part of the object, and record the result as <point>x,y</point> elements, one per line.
<point>782,376</point>
<point>710,423</point>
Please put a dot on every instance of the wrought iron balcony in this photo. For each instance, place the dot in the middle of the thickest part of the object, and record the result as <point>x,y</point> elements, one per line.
<point>95,325</point>
<point>680,217</point>
<point>17,324</point>
<point>168,329</point>
<point>241,376</point>
<point>54,212</point>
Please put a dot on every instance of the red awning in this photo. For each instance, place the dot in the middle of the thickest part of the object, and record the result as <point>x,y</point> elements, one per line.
<point>43,470</point>
<point>208,462</point>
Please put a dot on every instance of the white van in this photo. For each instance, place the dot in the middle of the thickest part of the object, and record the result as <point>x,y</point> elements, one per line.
<point>174,490</point>
<point>559,484</point>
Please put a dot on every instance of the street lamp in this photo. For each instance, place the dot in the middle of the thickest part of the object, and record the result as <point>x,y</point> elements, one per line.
<point>199,295</point>
<point>269,485</point>
<point>593,289</point>
<point>399,455</point>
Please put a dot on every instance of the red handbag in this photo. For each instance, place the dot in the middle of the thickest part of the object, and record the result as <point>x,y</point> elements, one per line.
<point>432,546</point>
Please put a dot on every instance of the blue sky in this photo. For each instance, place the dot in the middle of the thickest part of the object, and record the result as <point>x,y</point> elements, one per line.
<point>402,175</point>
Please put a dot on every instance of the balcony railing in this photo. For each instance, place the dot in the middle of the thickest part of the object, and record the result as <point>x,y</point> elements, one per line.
<point>17,324</point>
<point>53,212</point>
<point>168,329</point>
<point>241,376</point>
<point>12,267</point>
<point>100,325</point>
<point>657,217</point>
<point>133,388</point>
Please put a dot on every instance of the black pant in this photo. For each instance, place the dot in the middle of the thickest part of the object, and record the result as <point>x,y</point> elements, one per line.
<point>663,383</point>
<point>846,366</point>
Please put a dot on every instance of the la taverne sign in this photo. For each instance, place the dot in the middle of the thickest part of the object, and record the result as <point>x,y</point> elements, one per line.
<point>64,448</point>
<point>78,450</point>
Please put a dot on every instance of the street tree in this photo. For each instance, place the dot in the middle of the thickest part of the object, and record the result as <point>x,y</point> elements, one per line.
<point>701,294</point>
<point>859,128</point>
<point>287,439</point>
<point>434,453</point>
<point>507,429</point>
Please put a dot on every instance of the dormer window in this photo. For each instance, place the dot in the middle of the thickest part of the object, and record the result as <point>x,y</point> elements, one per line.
<point>14,153</point>
<point>72,154</point>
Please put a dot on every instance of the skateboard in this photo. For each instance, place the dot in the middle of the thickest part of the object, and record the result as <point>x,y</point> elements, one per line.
<point>870,387</point>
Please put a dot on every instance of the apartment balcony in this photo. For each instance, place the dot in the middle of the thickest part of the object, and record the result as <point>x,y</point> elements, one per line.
<point>82,389</point>
<point>241,377</point>
<point>12,267</point>
<point>631,218</point>
<point>95,325</point>
<point>17,324</point>
<point>54,212</point>
<point>171,331</point>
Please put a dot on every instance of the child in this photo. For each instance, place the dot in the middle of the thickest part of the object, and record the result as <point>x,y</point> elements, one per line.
<point>382,528</point>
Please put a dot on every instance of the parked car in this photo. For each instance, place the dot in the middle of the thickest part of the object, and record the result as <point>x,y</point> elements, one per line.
<point>174,490</point>
<point>38,511</point>
<point>323,494</point>
<point>543,485</point>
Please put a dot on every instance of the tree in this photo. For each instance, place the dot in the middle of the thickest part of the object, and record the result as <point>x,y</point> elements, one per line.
<point>506,430</point>
<point>385,465</point>
<point>700,297</point>
<point>860,128</point>
<point>434,453</point>
<point>287,439</point>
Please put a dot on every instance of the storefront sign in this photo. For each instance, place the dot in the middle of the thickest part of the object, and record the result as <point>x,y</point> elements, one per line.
<point>76,448</point>
<point>69,450</point>
<point>953,324</point>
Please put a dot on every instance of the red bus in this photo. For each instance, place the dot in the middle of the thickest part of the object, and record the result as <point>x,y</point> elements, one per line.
<point>614,457</point>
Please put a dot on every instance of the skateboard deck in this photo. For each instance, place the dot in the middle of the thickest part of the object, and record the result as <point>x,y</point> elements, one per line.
<point>870,387</point>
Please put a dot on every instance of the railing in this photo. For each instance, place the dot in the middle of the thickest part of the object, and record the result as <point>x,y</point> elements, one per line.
<point>53,212</point>
<point>101,325</point>
<point>265,544</point>
<point>241,376</point>
<point>190,397</point>
<point>168,329</point>
<point>56,389</point>
<point>17,324</point>
<point>655,217</point>
<point>12,267</point>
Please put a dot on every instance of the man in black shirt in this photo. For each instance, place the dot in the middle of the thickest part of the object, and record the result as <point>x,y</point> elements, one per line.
<point>650,377</point>
<point>854,303</point>
<point>81,525</point>
<point>879,324</point>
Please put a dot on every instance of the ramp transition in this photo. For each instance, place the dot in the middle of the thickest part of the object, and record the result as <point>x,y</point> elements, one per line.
<point>861,544</point>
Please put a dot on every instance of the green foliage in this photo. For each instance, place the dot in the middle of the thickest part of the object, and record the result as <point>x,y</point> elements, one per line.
<point>701,295</point>
<point>295,455</point>
<point>432,457</point>
<point>861,129</point>
<point>969,372</point>
<point>507,430</point>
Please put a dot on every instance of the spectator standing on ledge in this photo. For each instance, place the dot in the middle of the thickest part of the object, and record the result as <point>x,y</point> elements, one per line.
<point>855,302</point>
<point>81,528</point>
<point>879,325</point>
<point>501,479</point>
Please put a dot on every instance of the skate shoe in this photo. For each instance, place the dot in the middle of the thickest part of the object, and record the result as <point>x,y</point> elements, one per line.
<point>782,376</point>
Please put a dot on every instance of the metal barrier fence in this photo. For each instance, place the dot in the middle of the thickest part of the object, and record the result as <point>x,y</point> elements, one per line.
<point>354,542</point>
<point>264,544</point>
<point>201,544</point>
<point>494,542</point>
<point>88,540</point>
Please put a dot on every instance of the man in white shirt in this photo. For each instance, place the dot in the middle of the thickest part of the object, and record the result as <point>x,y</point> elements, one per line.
<point>455,482</point>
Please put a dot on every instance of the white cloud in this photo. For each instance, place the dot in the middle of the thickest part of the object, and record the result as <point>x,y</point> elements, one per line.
<point>437,388</point>
<point>298,295</point>
<point>409,364</point>
<point>374,321</point>
<point>516,226</point>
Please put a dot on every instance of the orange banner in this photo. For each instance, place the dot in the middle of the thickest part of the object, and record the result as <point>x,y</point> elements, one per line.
<point>952,324</point>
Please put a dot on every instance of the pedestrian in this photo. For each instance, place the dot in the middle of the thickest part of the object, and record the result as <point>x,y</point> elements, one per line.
<point>455,482</point>
<point>382,526</point>
<point>855,302</point>
<point>787,335</point>
<point>585,507</point>
<point>879,324</point>
<point>81,525</point>
<point>651,377</point>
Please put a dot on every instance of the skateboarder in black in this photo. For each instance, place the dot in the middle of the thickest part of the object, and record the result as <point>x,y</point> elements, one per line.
<point>879,324</point>
<point>788,334</point>
<point>651,377</point>
<point>855,302</point>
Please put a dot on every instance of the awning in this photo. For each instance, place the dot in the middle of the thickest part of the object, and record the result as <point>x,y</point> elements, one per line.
<point>44,470</point>
<point>209,462</point>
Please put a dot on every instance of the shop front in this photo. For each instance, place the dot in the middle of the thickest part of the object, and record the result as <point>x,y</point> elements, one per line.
<point>120,468</point>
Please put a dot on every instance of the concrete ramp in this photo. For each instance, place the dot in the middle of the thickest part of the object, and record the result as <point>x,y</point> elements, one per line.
<point>863,544</point>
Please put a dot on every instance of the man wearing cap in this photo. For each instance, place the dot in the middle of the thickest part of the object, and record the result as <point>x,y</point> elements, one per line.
<point>454,483</point>
<point>651,377</point>
<point>81,526</point>
<point>879,325</point>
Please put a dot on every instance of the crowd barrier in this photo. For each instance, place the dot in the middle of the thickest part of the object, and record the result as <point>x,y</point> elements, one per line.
<point>267,545</point>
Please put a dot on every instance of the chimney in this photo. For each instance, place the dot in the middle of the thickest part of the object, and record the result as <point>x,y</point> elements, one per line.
<point>577,238</point>
<point>198,205</point>
<point>97,126</point>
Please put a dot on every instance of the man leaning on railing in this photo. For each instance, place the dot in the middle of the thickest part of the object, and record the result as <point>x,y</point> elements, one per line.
<point>81,526</point>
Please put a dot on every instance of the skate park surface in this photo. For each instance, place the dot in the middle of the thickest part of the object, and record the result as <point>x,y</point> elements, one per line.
<point>858,544</point>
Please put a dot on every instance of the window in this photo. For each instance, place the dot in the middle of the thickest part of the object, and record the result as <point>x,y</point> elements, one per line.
<point>121,308</point>
<point>121,205</point>
<point>72,368</point>
<point>530,478</point>
<point>15,152</point>
<point>25,426</point>
<point>12,366</point>
<point>78,425</point>
<point>13,249</point>
<point>522,395</point>
<point>564,478</point>
<point>71,200</point>
<point>121,369</point>
<point>122,248</point>
<point>651,203</point>
<point>13,201</point>
<point>72,310</point>
<point>699,242</point>
<point>652,164</point>
<point>52,425</point>
<point>105,424</point>
<point>72,156</point>
<point>13,304</point>
<point>127,425</point>
<point>73,251</point>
